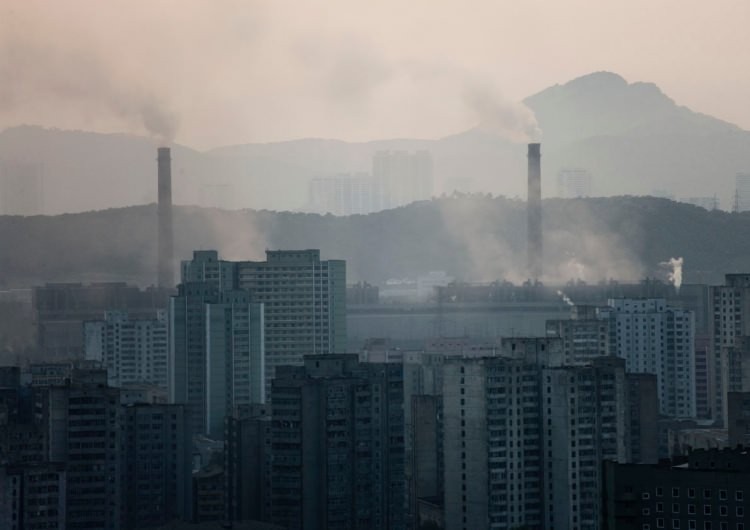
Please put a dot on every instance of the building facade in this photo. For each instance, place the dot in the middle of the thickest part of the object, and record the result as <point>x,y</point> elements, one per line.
<point>706,491</point>
<point>729,359</point>
<point>216,351</point>
<point>402,177</point>
<point>658,339</point>
<point>60,309</point>
<point>337,440</point>
<point>304,300</point>
<point>524,436</point>
<point>132,350</point>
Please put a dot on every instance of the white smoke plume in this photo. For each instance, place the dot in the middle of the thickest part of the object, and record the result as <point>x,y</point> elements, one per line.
<point>565,298</point>
<point>61,72</point>
<point>496,114</point>
<point>675,275</point>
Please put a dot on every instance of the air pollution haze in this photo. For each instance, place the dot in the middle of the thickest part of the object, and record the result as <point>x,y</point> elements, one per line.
<point>211,74</point>
<point>138,70</point>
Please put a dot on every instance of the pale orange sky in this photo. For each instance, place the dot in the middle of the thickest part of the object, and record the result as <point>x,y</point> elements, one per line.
<point>229,72</point>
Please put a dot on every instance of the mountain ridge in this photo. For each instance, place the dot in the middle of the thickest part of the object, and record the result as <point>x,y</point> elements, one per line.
<point>632,138</point>
<point>471,237</point>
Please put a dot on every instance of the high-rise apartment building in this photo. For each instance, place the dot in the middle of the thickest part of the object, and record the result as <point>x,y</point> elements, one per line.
<point>132,350</point>
<point>60,309</point>
<point>584,337</point>
<point>402,177</point>
<point>524,436</point>
<point>338,445</point>
<point>304,300</point>
<point>574,183</point>
<point>657,339</point>
<point>216,352</point>
<point>77,458</point>
<point>32,496</point>
<point>156,455</point>
<point>729,357</point>
<point>643,403</point>
<point>82,423</point>
<point>344,195</point>
<point>247,464</point>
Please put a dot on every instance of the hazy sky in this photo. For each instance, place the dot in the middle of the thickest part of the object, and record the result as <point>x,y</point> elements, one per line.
<point>225,72</point>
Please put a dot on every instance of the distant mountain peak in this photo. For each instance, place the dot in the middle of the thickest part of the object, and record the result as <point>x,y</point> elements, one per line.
<point>600,79</point>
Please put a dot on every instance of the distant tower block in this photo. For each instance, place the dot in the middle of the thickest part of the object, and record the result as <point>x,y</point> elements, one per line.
<point>534,211</point>
<point>166,243</point>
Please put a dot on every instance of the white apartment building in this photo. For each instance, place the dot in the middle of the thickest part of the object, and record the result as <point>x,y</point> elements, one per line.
<point>132,350</point>
<point>657,339</point>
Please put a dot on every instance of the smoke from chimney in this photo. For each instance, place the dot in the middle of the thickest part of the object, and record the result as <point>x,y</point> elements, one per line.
<point>166,245</point>
<point>534,211</point>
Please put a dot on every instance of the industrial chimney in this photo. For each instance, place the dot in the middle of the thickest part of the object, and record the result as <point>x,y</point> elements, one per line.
<point>534,211</point>
<point>166,246</point>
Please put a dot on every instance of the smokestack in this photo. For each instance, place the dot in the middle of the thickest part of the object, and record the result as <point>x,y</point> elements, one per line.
<point>534,211</point>
<point>166,246</point>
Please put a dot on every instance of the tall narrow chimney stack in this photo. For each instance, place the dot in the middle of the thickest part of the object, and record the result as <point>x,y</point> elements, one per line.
<point>534,211</point>
<point>166,245</point>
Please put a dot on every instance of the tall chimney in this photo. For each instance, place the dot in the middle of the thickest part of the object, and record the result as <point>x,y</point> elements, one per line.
<point>534,211</point>
<point>166,245</point>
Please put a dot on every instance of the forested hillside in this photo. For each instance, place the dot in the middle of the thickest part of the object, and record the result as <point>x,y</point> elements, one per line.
<point>474,238</point>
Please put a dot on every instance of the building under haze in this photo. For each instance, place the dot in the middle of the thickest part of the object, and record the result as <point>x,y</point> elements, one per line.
<point>354,194</point>
<point>247,464</point>
<point>402,177</point>
<point>574,183</point>
<point>73,456</point>
<point>216,352</point>
<point>524,436</point>
<point>729,354</point>
<point>337,442</point>
<point>134,351</point>
<point>304,299</point>
<point>21,188</point>
<point>658,339</point>
<point>60,309</point>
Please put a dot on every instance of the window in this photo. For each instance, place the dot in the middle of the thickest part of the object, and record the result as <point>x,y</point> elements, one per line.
<point>723,511</point>
<point>707,525</point>
<point>691,493</point>
<point>706,509</point>
<point>676,524</point>
<point>645,511</point>
<point>675,508</point>
<point>722,495</point>
<point>675,492</point>
<point>659,507</point>
<point>738,495</point>
<point>691,509</point>
<point>659,492</point>
<point>645,496</point>
<point>660,523</point>
<point>691,524</point>
<point>740,511</point>
<point>646,526</point>
<point>706,494</point>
